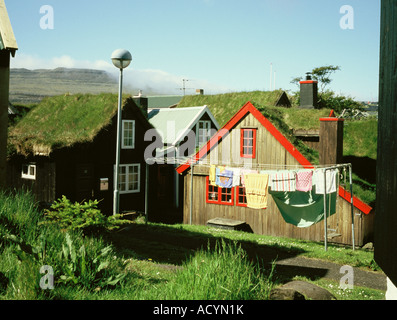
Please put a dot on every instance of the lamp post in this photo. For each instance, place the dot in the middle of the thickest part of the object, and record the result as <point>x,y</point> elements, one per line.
<point>121,59</point>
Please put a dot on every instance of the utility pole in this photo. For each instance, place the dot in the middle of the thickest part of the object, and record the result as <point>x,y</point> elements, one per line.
<point>184,86</point>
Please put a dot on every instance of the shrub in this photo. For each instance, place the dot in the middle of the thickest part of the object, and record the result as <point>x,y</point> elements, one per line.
<point>88,264</point>
<point>81,216</point>
<point>329,100</point>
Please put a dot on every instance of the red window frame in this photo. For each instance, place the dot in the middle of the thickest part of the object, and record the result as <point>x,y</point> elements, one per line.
<point>218,194</point>
<point>241,197</point>
<point>247,150</point>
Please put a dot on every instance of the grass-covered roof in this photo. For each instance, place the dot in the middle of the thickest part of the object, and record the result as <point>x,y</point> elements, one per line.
<point>360,137</point>
<point>63,121</point>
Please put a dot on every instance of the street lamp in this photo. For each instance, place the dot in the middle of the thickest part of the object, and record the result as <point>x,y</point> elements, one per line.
<point>121,59</point>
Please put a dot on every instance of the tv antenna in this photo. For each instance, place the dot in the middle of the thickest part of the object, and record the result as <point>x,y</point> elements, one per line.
<point>184,86</point>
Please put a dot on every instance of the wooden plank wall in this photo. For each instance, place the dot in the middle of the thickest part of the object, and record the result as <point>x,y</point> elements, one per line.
<point>268,221</point>
<point>386,200</point>
<point>43,188</point>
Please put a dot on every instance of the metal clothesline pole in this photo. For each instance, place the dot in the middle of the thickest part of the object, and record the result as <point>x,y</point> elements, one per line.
<point>191,193</point>
<point>351,203</point>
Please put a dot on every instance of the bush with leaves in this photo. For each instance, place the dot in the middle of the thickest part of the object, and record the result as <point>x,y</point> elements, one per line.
<point>89,268</point>
<point>81,216</point>
<point>330,100</point>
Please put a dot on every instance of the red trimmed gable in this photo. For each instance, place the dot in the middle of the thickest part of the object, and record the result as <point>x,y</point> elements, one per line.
<point>247,108</point>
<point>250,108</point>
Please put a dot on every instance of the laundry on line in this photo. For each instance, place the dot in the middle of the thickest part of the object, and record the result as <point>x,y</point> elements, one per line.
<point>304,180</point>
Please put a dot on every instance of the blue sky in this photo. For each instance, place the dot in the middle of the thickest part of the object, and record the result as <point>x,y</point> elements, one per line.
<point>218,45</point>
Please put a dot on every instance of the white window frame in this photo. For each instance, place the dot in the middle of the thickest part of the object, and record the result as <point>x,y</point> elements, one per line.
<point>29,175</point>
<point>207,127</point>
<point>126,183</point>
<point>123,135</point>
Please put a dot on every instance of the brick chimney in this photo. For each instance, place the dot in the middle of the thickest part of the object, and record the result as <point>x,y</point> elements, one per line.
<point>331,140</point>
<point>308,93</point>
<point>142,103</point>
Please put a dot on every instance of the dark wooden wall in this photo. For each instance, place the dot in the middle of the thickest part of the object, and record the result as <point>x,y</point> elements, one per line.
<point>386,199</point>
<point>43,188</point>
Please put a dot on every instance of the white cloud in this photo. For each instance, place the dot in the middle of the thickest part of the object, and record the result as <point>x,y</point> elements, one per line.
<point>147,79</point>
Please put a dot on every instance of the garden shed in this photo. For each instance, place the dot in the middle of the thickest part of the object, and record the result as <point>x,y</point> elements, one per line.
<point>250,141</point>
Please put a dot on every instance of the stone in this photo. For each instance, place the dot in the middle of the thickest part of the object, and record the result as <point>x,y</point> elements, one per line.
<point>368,246</point>
<point>295,290</point>
<point>286,294</point>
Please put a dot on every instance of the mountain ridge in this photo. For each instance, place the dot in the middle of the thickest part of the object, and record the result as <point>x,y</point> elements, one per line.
<point>31,86</point>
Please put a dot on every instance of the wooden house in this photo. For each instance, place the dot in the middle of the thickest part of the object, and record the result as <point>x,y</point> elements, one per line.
<point>182,131</point>
<point>250,140</point>
<point>66,145</point>
<point>8,47</point>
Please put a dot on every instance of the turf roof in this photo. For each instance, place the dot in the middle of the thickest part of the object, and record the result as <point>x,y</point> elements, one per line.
<point>63,121</point>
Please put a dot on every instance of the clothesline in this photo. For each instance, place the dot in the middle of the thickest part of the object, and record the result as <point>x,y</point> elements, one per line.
<point>246,164</point>
<point>193,161</point>
<point>278,180</point>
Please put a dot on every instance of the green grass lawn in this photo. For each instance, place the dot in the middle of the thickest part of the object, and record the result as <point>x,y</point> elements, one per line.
<point>152,261</point>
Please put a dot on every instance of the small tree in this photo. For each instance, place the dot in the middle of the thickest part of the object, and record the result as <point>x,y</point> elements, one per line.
<point>327,98</point>
<point>322,75</point>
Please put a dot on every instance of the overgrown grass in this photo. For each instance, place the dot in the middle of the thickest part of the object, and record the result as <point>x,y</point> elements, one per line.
<point>361,138</point>
<point>63,121</point>
<point>211,274</point>
<point>131,265</point>
<point>89,267</point>
<point>224,106</point>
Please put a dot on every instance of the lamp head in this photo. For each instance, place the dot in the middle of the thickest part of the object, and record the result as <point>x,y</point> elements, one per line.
<point>121,58</point>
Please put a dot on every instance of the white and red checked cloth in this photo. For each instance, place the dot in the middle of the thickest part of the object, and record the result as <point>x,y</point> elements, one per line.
<point>304,181</point>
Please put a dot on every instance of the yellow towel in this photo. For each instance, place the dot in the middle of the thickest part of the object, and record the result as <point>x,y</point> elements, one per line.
<point>256,190</point>
<point>212,174</point>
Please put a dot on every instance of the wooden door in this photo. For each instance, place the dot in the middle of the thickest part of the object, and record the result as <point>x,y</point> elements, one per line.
<point>84,182</point>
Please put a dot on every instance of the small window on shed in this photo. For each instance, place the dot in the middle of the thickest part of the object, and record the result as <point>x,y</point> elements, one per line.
<point>248,143</point>
<point>128,134</point>
<point>29,171</point>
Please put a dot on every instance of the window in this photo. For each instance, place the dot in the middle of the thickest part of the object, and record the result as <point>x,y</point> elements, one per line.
<point>29,171</point>
<point>219,195</point>
<point>248,143</point>
<point>241,198</point>
<point>203,132</point>
<point>129,178</point>
<point>128,134</point>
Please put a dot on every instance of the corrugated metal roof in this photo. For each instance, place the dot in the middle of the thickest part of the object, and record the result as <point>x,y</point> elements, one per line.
<point>174,123</point>
<point>7,38</point>
<point>163,101</point>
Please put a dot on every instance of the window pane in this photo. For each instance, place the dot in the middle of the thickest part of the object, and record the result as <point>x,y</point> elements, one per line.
<point>128,133</point>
